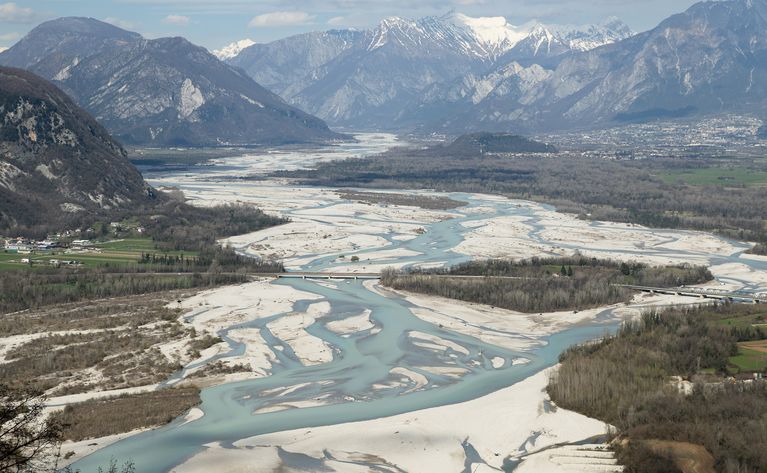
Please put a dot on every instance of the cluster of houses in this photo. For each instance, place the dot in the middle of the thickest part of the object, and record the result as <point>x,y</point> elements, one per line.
<point>27,246</point>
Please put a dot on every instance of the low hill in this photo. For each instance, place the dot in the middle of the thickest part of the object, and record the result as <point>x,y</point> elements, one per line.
<point>482,143</point>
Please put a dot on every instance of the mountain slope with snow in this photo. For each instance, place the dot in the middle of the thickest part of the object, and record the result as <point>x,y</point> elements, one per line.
<point>709,59</point>
<point>233,49</point>
<point>396,74</point>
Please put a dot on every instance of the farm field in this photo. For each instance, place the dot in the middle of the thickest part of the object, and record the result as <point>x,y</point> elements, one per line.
<point>752,356</point>
<point>717,176</point>
<point>113,252</point>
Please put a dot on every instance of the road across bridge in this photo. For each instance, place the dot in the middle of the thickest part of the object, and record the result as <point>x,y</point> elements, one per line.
<point>699,293</point>
<point>317,275</point>
<point>307,275</point>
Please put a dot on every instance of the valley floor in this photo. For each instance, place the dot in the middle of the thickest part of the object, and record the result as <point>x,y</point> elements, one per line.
<point>302,367</point>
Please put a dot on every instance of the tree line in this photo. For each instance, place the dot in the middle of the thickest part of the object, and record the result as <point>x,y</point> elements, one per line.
<point>542,284</point>
<point>21,290</point>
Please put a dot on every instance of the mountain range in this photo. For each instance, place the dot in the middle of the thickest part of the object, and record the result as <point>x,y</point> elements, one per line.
<point>385,76</point>
<point>161,92</point>
<point>56,161</point>
<point>456,74</point>
<point>452,74</point>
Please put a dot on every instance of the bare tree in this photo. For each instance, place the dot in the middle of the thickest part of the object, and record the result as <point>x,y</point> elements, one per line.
<point>28,441</point>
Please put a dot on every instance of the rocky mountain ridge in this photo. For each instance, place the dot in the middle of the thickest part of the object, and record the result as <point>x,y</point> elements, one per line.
<point>378,78</point>
<point>454,74</point>
<point>161,92</point>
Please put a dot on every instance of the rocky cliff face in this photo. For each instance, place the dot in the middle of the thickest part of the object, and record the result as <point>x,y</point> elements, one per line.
<point>56,161</point>
<point>164,92</point>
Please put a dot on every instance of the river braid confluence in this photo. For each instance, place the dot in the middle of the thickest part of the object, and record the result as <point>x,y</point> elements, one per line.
<point>358,383</point>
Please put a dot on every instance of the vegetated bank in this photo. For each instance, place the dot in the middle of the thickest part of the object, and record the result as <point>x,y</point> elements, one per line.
<point>103,417</point>
<point>183,254</point>
<point>718,422</point>
<point>32,439</point>
<point>411,200</point>
<point>543,284</point>
<point>96,345</point>
<point>599,189</point>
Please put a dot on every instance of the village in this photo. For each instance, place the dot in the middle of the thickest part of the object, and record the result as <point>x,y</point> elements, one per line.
<point>34,252</point>
<point>105,243</point>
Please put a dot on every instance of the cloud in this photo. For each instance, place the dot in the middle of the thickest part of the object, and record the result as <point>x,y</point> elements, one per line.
<point>354,20</point>
<point>282,18</point>
<point>12,13</point>
<point>126,25</point>
<point>178,20</point>
<point>9,36</point>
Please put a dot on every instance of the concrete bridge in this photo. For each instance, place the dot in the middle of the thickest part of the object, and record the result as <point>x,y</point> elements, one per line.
<point>310,275</point>
<point>367,276</point>
<point>700,293</point>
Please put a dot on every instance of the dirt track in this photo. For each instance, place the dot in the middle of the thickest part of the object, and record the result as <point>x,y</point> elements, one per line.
<point>688,457</point>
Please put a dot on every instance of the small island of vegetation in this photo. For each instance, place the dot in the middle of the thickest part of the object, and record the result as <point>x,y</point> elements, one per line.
<point>543,284</point>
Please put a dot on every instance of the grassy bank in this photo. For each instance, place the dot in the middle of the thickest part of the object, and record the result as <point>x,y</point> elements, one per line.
<point>103,417</point>
<point>179,250</point>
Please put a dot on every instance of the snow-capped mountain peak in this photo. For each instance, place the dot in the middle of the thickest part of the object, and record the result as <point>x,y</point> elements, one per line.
<point>394,28</point>
<point>586,37</point>
<point>495,32</point>
<point>496,35</point>
<point>233,49</point>
<point>406,70</point>
<point>490,37</point>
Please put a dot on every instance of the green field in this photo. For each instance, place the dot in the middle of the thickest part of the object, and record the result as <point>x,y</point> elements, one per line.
<point>116,252</point>
<point>745,321</point>
<point>716,176</point>
<point>180,156</point>
<point>129,244</point>
<point>748,360</point>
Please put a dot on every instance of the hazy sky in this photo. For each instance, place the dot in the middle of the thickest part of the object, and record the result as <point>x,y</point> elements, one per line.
<point>214,23</point>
